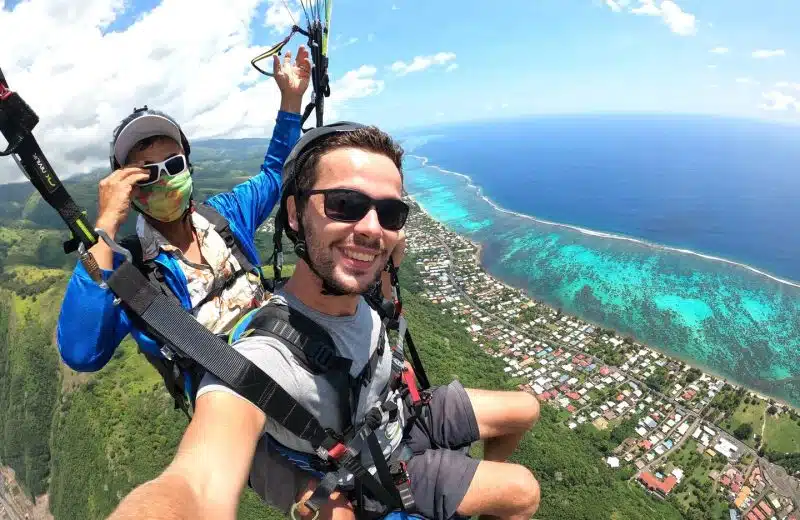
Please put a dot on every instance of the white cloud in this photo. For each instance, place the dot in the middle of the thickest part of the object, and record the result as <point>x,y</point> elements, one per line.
<point>719,50</point>
<point>782,84</point>
<point>712,66</point>
<point>647,8</point>
<point>778,101</point>
<point>614,6</point>
<point>356,84</point>
<point>394,7</point>
<point>451,67</point>
<point>280,19</point>
<point>83,79</point>
<point>678,20</point>
<point>762,54</point>
<point>746,81</point>
<point>420,63</point>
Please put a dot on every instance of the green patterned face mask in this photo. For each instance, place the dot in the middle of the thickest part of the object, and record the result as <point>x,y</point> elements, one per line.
<point>166,200</point>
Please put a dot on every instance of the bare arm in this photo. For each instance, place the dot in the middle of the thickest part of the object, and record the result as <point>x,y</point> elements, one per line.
<point>209,471</point>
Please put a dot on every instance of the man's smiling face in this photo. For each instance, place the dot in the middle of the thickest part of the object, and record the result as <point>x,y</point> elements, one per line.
<point>351,255</point>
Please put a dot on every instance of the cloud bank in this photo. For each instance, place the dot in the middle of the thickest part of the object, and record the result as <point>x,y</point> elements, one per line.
<point>83,70</point>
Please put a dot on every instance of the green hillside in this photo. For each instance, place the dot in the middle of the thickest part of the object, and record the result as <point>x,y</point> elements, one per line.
<point>88,439</point>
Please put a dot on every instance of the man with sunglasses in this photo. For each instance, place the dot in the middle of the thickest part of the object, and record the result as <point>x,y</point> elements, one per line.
<point>341,206</point>
<point>203,254</point>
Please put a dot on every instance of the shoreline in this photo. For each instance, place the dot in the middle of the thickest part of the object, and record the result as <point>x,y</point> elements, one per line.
<point>602,234</point>
<point>478,257</point>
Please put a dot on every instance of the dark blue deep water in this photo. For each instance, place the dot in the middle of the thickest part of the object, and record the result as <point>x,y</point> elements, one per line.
<point>724,187</point>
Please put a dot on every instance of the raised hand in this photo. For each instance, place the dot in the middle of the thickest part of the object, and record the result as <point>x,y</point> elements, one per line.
<point>292,78</point>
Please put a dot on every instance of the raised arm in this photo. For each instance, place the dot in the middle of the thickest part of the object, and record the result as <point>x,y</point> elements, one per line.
<point>210,469</point>
<point>251,202</point>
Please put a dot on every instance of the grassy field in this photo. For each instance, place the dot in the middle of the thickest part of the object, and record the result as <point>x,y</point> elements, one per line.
<point>746,413</point>
<point>782,434</point>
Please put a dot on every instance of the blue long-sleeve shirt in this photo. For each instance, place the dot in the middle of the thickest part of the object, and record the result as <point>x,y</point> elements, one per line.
<point>90,327</point>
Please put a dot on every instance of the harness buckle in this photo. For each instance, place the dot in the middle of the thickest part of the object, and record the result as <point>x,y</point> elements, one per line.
<point>167,353</point>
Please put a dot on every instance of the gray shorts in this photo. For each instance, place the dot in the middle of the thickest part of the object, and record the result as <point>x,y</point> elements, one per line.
<point>440,471</point>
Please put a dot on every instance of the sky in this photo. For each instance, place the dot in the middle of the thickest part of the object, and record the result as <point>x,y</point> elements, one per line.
<point>399,64</point>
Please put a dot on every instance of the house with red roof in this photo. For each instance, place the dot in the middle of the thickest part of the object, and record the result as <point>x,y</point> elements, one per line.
<point>652,483</point>
<point>765,507</point>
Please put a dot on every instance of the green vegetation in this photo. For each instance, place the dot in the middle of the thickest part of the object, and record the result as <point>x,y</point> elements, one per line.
<point>696,495</point>
<point>743,432</point>
<point>658,380</point>
<point>28,390</point>
<point>745,416</point>
<point>782,434</point>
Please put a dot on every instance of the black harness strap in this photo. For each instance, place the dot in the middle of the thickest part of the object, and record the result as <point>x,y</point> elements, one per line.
<point>17,121</point>
<point>173,326</point>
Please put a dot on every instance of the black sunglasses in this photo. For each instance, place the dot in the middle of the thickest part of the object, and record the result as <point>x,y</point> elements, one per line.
<point>172,166</point>
<point>345,205</point>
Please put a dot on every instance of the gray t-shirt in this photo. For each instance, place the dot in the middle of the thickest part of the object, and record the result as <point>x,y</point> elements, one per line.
<point>356,337</point>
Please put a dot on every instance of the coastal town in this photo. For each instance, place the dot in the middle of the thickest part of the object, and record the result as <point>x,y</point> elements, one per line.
<point>681,434</point>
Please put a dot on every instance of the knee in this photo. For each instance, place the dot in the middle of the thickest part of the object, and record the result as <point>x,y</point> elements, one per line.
<point>525,494</point>
<point>529,409</point>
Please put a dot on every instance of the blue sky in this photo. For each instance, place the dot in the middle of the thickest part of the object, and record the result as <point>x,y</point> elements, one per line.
<point>396,63</point>
<point>568,56</point>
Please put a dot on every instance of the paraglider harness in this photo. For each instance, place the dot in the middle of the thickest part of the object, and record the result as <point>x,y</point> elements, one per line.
<point>185,340</point>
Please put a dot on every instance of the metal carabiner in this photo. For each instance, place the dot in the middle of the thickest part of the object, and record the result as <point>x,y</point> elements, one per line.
<point>293,511</point>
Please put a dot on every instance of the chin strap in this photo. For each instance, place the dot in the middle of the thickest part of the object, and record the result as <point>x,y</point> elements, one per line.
<point>301,250</point>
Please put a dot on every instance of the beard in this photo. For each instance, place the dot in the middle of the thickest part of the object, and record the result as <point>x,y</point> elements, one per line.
<point>321,258</point>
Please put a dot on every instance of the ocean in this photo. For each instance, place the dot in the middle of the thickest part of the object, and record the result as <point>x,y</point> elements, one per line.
<point>679,231</point>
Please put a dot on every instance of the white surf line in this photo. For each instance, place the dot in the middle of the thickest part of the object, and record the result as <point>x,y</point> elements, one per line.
<point>471,183</point>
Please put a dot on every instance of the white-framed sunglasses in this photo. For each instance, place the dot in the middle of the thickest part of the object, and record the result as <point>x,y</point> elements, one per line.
<point>172,166</point>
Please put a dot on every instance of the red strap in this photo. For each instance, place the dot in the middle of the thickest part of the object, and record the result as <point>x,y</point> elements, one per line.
<point>411,382</point>
<point>338,451</point>
<point>5,93</point>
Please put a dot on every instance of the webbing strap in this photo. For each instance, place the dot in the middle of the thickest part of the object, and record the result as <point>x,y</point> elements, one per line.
<point>173,326</point>
<point>419,370</point>
<point>17,121</point>
<point>384,474</point>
